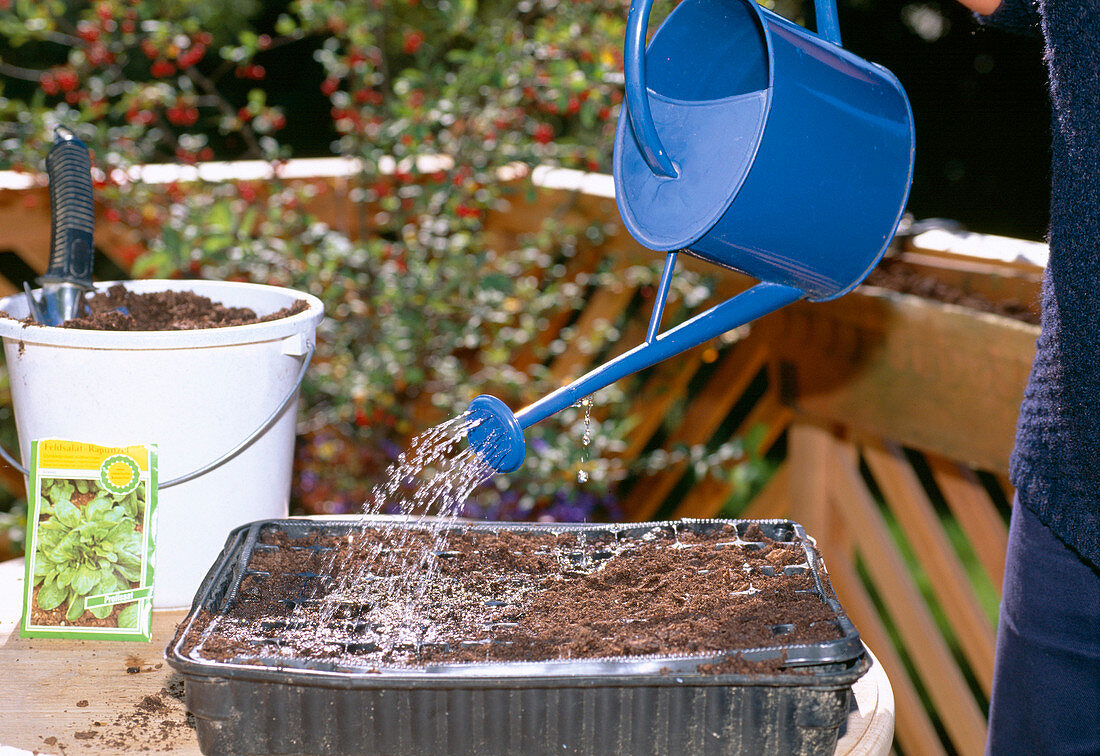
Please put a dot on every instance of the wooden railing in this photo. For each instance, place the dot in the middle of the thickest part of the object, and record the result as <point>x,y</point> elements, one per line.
<point>892,418</point>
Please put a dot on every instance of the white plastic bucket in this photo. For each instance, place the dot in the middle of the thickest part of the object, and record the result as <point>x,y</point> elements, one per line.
<point>195,394</point>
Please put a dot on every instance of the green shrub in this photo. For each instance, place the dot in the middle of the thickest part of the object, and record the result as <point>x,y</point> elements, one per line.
<point>432,98</point>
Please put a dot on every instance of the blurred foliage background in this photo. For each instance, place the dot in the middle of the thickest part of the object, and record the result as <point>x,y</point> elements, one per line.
<point>422,316</point>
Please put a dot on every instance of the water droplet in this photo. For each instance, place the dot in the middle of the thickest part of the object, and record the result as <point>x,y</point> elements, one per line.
<point>586,437</point>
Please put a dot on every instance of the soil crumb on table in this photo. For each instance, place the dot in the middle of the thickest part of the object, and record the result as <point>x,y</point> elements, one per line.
<point>157,722</point>
<point>520,596</point>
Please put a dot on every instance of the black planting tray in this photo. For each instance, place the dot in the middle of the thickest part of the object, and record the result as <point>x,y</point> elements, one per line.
<point>634,705</point>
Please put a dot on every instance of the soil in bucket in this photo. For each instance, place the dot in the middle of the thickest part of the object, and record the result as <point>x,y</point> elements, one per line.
<point>521,596</point>
<point>119,309</point>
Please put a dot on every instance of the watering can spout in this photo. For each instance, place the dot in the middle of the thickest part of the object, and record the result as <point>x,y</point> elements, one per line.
<point>496,435</point>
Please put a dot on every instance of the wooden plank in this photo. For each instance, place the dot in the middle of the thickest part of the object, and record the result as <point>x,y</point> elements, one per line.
<point>993,280</point>
<point>908,501</point>
<point>976,513</point>
<point>25,226</point>
<point>707,497</point>
<point>913,728</point>
<point>705,413</point>
<point>775,500</point>
<point>948,690</point>
<point>808,453</point>
<point>664,386</point>
<point>704,500</point>
<point>590,331</point>
<point>1007,488</point>
<point>896,366</point>
<point>837,543</point>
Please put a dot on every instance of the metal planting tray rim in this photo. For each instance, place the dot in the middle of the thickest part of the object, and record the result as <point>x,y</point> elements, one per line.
<point>843,656</point>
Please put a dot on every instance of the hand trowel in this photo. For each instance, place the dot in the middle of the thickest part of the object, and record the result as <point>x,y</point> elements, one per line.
<point>69,275</point>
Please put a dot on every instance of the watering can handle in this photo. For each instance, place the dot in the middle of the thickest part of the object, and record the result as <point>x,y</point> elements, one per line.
<point>637,101</point>
<point>307,357</point>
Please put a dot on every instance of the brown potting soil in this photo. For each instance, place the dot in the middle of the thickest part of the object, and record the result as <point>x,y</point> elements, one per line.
<point>510,596</point>
<point>56,617</point>
<point>166,311</point>
<point>119,309</point>
<point>897,276</point>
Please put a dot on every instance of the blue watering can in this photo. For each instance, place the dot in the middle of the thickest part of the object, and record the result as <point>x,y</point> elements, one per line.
<point>754,144</point>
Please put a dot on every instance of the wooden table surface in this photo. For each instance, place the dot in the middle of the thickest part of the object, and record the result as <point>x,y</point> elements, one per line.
<point>71,697</point>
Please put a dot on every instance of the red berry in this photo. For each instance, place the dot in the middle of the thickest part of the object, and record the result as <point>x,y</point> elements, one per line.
<point>48,83</point>
<point>413,41</point>
<point>87,31</point>
<point>162,68</point>
<point>192,55</point>
<point>329,85</point>
<point>544,133</point>
<point>67,80</point>
<point>98,55</point>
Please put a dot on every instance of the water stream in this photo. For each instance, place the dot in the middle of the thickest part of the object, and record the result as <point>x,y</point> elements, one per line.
<point>435,476</point>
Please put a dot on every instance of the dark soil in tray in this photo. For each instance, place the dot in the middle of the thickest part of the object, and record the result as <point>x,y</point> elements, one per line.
<point>118,309</point>
<point>519,596</point>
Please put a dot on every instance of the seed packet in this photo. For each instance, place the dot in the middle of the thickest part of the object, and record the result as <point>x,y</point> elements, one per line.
<point>91,526</point>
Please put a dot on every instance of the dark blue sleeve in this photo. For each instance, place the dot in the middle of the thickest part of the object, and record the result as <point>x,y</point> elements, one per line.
<point>1017,16</point>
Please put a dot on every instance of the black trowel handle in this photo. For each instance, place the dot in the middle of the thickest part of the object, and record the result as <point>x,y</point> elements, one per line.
<point>69,168</point>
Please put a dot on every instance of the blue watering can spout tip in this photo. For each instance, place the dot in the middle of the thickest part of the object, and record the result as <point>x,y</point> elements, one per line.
<point>496,435</point>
